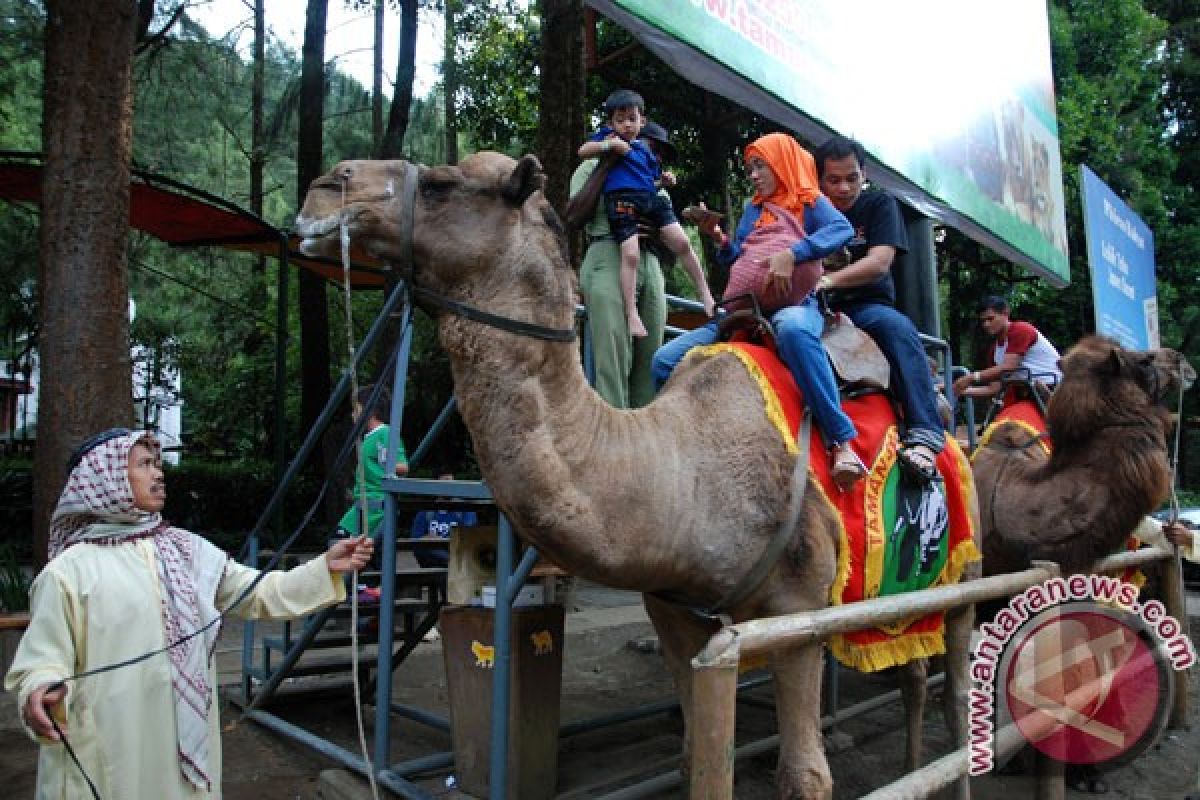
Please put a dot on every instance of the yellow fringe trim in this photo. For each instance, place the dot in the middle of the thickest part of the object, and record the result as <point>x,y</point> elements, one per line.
<point>874,533</point>
<point>995,426</point>
<point>771,402</point>
<point>903,647</point>
<point>889,653</point>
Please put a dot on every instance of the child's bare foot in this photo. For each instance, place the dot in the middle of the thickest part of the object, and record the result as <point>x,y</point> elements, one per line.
<point>636,329</point>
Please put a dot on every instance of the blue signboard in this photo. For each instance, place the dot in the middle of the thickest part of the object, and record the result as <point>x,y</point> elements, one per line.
<point>1120,252</point>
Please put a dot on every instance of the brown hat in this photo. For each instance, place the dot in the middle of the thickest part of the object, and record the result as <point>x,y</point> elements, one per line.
<point>662,141</point>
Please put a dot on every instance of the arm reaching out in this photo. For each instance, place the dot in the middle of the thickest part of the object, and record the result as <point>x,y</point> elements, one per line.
<point>350,555</point>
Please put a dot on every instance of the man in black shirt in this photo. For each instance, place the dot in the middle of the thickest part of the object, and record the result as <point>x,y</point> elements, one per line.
<point>860,285</point>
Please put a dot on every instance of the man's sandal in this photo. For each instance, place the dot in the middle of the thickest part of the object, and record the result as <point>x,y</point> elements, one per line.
<point>847,468</point>
<point>919,462</point>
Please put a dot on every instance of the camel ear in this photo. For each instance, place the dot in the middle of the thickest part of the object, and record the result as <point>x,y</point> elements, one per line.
<point>1116,361</point>
<point>526,179</point>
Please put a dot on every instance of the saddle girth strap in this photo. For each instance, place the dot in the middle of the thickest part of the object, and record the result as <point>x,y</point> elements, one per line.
<point>783,534</point>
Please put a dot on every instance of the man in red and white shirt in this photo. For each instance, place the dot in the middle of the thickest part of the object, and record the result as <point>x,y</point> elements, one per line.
<point>1018,346</point>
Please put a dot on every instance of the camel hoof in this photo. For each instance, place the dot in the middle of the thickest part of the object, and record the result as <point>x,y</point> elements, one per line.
<point>804,784</point>
<point>1086,778</point>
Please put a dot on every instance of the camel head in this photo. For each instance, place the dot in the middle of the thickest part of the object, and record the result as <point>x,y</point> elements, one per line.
<point>1106,382</point>
<point>467,220</point>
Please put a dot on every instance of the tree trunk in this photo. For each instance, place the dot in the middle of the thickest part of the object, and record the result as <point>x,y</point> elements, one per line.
<point>87,136</point>
<point>314,312</point>
<point>264,422</point>
<point>560,95</point>
<point>377,80</point>
<point>406,71</point>
<point>450,81</point>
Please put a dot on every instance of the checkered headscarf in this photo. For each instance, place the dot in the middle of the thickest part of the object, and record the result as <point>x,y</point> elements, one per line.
<point>96,506</point>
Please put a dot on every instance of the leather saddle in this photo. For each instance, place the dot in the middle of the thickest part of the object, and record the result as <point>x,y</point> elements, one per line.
<point>857,361</point>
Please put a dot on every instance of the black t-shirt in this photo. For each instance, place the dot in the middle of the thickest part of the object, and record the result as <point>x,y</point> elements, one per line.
<point>875,217</point>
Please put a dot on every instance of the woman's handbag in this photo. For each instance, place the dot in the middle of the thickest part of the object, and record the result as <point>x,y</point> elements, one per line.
<point>582,205</point>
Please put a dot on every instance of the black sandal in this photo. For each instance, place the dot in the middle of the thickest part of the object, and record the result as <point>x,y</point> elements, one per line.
<point>919,462</point>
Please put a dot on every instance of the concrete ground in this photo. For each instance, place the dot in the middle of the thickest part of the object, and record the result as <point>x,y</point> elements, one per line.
<point>610,664</point>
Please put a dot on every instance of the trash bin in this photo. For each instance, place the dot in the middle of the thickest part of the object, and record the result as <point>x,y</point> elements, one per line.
<point>535,688</point>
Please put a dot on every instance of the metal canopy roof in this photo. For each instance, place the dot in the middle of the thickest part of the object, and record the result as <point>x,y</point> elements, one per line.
<point>184,216</point>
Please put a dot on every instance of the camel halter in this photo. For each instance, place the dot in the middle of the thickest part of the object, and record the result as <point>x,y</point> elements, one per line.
<point>405,267</point>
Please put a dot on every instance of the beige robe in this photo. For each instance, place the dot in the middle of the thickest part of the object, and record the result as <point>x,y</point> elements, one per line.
<point>100,604</point>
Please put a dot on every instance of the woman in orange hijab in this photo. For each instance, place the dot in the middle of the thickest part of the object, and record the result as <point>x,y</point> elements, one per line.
<point>787,227</point>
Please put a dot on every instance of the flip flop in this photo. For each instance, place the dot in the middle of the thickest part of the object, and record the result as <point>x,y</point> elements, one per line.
<point>919,462</point>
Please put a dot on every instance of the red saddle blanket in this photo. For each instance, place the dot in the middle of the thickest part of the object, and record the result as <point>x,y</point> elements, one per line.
<point>1026,416</point>
<point>895,536</point>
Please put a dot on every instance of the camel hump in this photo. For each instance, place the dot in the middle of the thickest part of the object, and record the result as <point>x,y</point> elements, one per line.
<point>856,358</point>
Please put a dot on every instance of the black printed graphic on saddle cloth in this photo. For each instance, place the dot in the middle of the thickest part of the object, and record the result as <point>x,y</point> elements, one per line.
<point>922,521</point>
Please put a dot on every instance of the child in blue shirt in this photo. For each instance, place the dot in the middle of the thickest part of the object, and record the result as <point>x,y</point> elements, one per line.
<point>631,195</point>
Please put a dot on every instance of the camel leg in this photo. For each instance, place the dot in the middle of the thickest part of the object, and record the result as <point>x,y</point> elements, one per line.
<point>681,634</point>
<point>803,772</point>
<point>913,687</point>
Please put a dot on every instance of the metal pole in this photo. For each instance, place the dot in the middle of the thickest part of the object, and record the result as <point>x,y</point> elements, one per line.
<point>281,341</point>
<point>432,434</point>
<point>337,754</point>
<point>498,774</point>
<point>248,627</point>
<point>322,422</point>
<point>383,655</point>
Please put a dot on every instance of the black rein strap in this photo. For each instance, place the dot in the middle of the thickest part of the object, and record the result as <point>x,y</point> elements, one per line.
<point>783,534</point>
<point>496,321</point>
<point>405,268</point>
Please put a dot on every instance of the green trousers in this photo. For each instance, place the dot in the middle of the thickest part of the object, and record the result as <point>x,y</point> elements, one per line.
<point>622,363</point>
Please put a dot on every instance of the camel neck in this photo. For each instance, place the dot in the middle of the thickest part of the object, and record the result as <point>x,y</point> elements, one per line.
<point>551,448</point>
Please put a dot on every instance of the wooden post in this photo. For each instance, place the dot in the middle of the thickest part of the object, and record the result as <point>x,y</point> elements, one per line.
<point>711,729</point>
<point>1176,603</point>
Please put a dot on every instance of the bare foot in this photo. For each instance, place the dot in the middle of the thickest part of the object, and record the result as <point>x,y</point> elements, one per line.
<point>636,329</point>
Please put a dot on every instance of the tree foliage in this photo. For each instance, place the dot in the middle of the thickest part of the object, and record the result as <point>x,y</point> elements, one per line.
<point>1127,79</point>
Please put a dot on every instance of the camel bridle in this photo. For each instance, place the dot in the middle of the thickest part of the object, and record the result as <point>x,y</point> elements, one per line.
<point>406,268</point>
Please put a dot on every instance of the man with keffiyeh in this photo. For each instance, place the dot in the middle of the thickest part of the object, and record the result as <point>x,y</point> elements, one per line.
<point>121,582</point>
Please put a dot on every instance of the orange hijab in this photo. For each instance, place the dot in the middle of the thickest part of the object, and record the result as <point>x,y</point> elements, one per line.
<point>796,184</point>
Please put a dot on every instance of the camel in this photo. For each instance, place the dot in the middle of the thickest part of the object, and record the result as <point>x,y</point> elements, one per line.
<point>1108,468</point>
<point>676,500</point>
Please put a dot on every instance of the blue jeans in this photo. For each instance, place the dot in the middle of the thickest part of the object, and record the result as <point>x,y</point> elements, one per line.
<point>798,340</point>
<point>912,384</point>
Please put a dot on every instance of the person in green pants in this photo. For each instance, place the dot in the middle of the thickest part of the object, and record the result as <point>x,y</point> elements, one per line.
<point>622,363</point>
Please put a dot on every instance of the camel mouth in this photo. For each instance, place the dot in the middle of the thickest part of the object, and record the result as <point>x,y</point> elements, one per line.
<point>1187,376</point>
<point>315,233</point>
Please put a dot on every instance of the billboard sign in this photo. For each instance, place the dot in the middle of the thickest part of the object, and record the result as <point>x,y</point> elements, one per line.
<point>963,129</point>
<point>1120,249</point>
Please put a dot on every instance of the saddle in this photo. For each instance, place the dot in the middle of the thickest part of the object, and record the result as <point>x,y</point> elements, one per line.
<point>857,361</point>
<point>894,535</point>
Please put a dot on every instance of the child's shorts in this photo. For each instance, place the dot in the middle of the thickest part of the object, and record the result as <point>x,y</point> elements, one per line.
<point>626,207</point>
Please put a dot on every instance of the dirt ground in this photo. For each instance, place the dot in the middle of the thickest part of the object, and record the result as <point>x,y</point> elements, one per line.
<point>610,664</point>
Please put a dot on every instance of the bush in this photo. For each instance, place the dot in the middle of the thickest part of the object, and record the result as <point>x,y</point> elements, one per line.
<point>223,501</point>
<point>16,508</point>
<point>220,501</point>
